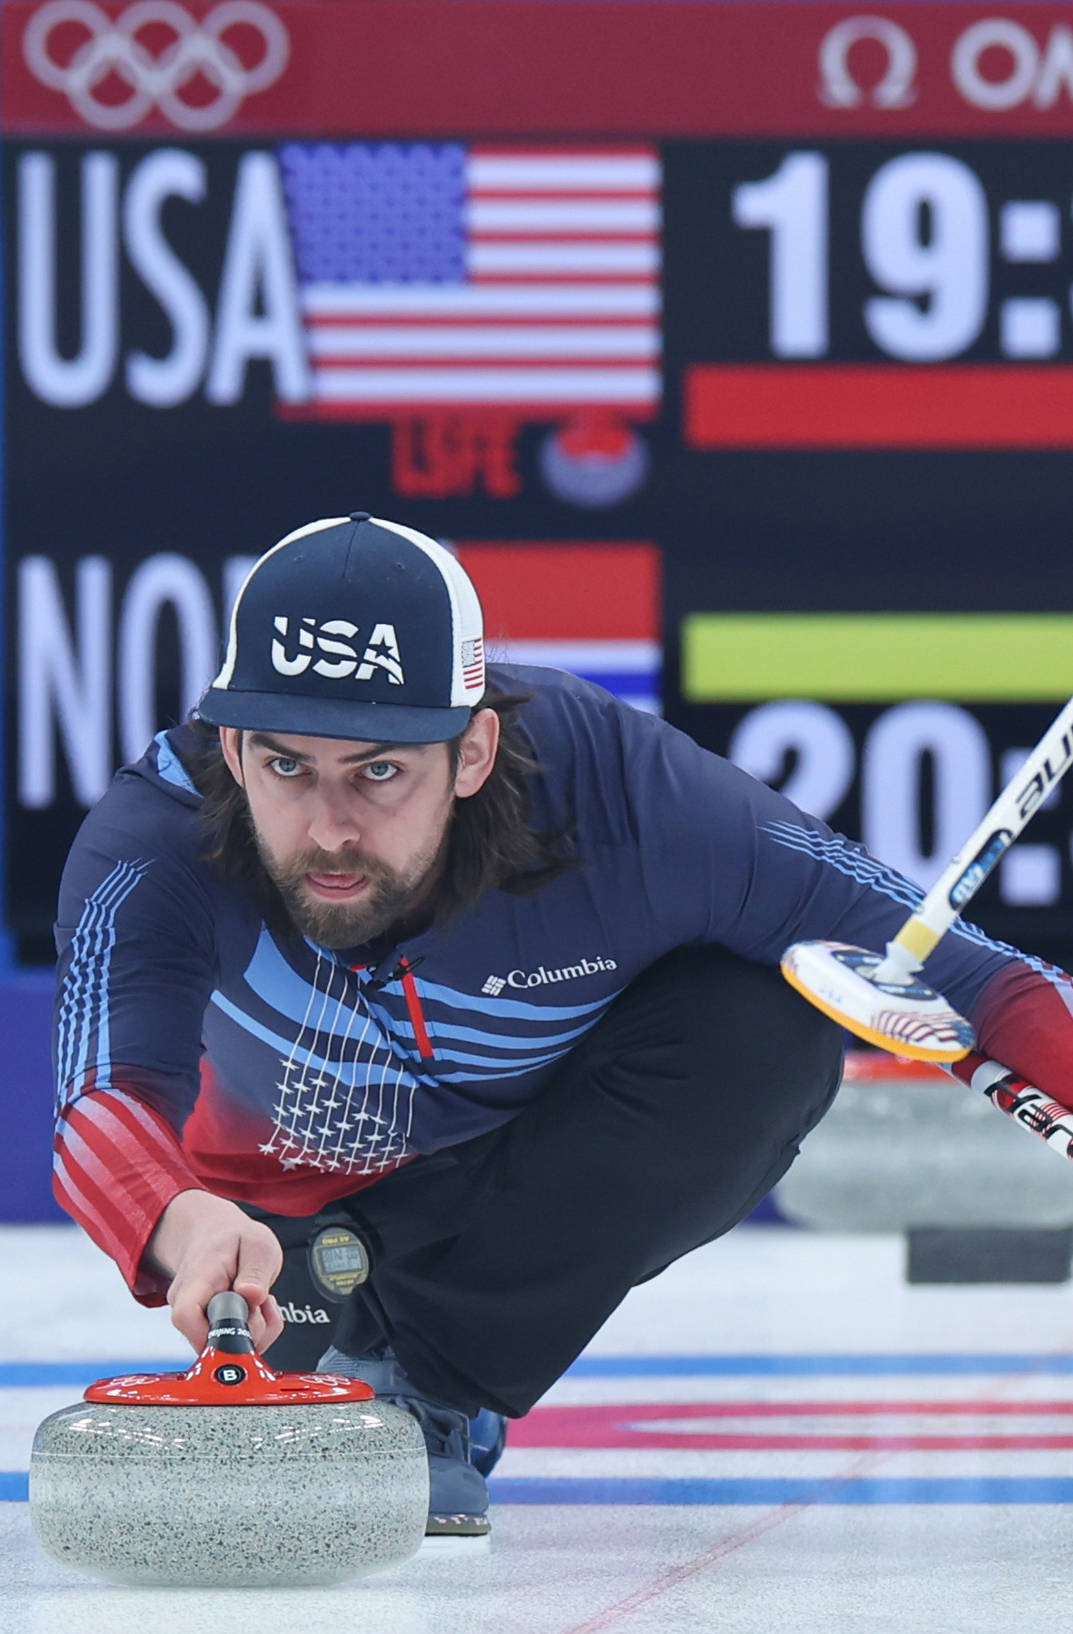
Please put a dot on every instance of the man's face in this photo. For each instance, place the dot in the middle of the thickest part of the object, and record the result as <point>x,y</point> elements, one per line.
<point>354,835</point>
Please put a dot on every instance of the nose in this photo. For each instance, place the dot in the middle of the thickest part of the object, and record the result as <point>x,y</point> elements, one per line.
<point>333,822</point>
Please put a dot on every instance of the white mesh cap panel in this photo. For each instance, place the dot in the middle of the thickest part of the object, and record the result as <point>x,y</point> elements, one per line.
<point>467,645</point>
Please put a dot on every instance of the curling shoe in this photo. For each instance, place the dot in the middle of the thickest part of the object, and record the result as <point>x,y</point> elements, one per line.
<point>458,1496</point>
<point>487,1438</point>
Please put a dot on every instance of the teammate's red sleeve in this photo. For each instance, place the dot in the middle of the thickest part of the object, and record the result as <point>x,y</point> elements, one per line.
<point>1024,1020</point>
<point>117,1164</point>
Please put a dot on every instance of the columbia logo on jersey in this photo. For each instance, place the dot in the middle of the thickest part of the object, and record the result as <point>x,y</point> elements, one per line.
<point>303,1313</point>
<point>541,977</point>
<point>293,655</point>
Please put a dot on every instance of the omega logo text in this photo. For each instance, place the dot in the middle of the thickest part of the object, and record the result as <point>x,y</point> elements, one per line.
<point>1031,72</point>
<point>995,64</point>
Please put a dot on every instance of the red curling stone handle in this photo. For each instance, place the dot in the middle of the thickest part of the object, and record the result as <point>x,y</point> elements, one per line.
<point>229,1372</point>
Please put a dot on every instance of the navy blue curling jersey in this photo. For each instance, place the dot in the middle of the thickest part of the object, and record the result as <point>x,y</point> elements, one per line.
<point>195,1048</point>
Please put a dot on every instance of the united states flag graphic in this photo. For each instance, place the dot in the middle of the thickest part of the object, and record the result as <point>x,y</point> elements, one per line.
<point>473,662</point>
<point>444,276</point>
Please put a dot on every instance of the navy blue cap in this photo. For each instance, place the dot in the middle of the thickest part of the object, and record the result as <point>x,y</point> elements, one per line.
<point>355,628</point>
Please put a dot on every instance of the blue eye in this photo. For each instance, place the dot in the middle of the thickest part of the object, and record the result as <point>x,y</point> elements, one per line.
<point>283,766</point>
<point>381,771</point>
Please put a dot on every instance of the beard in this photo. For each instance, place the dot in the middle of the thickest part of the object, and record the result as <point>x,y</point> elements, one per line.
<point>391,896</point>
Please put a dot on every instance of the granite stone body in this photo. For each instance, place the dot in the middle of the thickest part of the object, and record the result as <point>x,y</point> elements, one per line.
<point>242,1496</point>
<point>900,1155</point>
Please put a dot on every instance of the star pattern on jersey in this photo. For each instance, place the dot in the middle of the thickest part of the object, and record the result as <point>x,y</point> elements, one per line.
<point>340,1063</point>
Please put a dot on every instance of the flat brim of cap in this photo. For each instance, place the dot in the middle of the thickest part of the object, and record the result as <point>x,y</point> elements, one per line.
<point>331,717</point>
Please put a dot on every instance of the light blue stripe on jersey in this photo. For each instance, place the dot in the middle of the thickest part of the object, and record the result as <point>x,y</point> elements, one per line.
<point>86,984</point>
<point>82,970</point>
<point>499,1066</point>
<point>270,976</point>
<point>496,1041</point>
<point>512,1067</point>
<point>170,767</point>
<point>848,860</point>
<point>497,1070</point>
<point>841,855</point>
<point>346,1071</point>
<point>513,1007</point>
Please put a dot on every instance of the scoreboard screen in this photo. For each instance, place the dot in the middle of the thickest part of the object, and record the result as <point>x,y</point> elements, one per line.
<point>731,345</point>
<point>872,523</point>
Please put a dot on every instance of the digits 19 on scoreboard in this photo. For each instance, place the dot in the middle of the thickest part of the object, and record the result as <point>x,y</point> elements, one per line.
<point>914,256</point>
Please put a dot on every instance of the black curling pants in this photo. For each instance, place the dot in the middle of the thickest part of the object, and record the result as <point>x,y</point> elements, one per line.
<point>495,1262</point>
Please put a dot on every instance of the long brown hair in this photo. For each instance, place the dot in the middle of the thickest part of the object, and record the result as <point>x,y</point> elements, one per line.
<point>490,842</point>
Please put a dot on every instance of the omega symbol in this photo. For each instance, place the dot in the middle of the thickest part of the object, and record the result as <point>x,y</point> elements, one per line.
<point>839,89</point>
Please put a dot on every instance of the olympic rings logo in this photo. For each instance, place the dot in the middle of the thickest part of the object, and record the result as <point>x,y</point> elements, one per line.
<point>112,47</point>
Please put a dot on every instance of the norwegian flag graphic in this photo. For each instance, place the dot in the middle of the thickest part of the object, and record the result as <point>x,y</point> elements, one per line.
<point>443,275</point>
<point>592,608</point>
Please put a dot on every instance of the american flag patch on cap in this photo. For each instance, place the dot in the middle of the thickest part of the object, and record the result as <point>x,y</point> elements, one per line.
<point>473,663</point>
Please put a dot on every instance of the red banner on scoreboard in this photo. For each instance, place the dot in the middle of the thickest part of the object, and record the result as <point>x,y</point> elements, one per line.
<point>884,406</point>
<point>578,67</point>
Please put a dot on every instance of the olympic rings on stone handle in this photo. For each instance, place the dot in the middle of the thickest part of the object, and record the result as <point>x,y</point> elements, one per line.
<point>112,46</point>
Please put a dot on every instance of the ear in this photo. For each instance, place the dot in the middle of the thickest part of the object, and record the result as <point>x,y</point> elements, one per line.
<point>477,753</point>
<point>231,744</point>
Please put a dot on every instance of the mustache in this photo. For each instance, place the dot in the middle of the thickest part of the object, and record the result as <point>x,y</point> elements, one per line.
<point>333,862</point>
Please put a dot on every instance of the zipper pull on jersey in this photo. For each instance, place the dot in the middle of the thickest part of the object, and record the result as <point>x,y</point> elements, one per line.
<point>380,972</point>
<point>380,976</point>
<point>406,968</point>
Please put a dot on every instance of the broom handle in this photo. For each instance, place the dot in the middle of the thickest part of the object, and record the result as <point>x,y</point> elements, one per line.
<point>1023,1102</point>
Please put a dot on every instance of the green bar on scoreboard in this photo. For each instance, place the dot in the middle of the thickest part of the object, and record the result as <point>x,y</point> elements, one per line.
<point>877,657</point>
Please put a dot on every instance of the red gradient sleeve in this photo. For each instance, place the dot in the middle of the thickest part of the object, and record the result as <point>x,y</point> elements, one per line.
<point>117,1165</point>
<point>1024,1019</point>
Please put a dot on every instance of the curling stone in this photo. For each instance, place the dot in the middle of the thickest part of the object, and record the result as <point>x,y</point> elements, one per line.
<point>229,1475</point>
<point>905,1145</point>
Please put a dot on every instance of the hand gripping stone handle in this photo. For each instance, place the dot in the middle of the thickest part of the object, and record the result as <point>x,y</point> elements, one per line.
<point>229,1324</point>
<point>229,1371</point>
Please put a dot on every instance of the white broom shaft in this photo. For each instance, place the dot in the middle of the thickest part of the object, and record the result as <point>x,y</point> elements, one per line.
<point>1024,1103</point>
<point>1007,818</point>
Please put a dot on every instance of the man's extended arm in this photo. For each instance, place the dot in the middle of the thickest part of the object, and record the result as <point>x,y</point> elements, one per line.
<point>121,1174</point>
<point>136,941</point>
